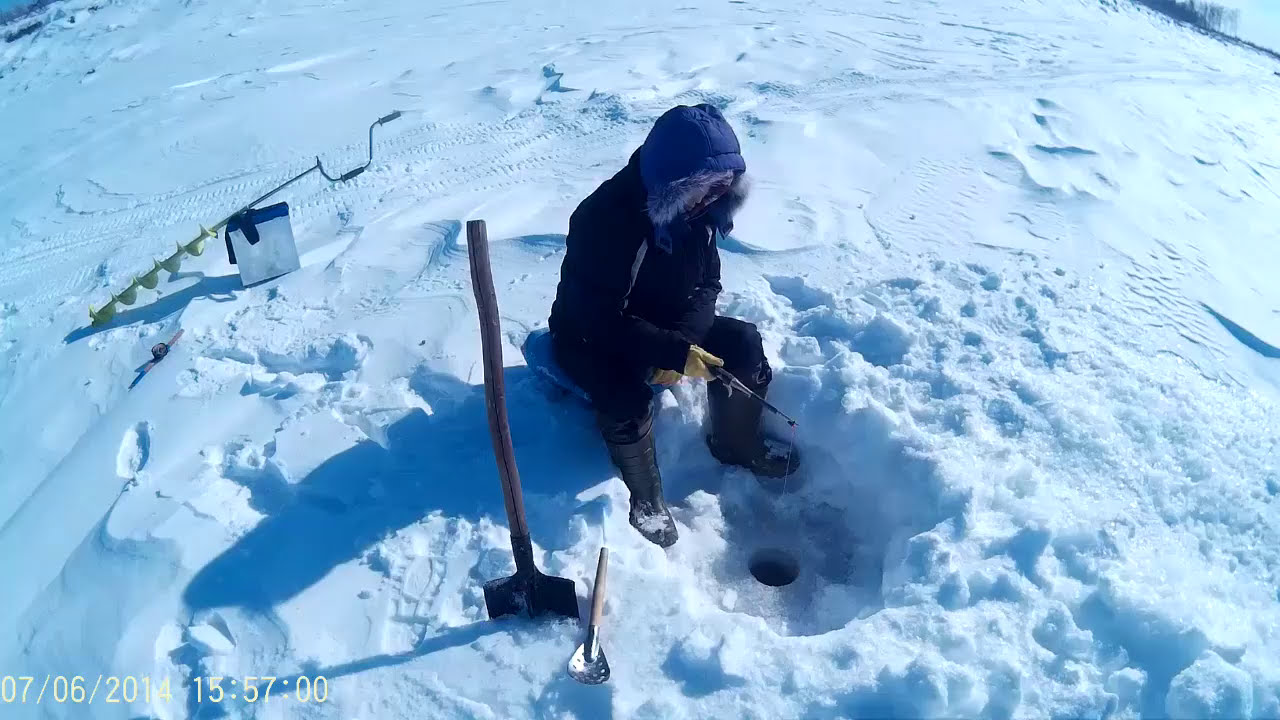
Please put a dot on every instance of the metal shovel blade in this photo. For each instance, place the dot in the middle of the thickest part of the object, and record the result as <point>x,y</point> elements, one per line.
<point>588,664</point>
<point>531,594</point>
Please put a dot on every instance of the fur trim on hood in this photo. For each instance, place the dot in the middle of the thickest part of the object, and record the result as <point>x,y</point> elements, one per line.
<point>672,201</point>
<point>689,149</point>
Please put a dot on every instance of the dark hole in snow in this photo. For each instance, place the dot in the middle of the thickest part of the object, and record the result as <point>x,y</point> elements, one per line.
<point>773,567</point>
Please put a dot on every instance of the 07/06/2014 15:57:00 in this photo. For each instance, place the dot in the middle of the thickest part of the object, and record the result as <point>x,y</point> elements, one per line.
<point>261,689</point>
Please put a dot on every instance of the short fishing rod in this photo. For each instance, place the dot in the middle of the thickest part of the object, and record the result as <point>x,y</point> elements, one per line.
<point>734,383</point>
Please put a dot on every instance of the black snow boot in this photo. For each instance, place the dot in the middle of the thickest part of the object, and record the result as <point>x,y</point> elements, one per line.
<point>736,437</point>
<point>632,450</point>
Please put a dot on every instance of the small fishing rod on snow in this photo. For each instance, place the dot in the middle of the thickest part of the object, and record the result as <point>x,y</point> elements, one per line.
<point>151,278</point>
<point>734,383</point>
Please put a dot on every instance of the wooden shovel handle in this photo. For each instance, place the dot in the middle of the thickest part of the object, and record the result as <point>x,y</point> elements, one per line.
<point>597,590</point>
<point>494,388</point>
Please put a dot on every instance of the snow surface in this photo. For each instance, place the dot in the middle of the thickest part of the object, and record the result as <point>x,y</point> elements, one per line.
<point>1014,264</point>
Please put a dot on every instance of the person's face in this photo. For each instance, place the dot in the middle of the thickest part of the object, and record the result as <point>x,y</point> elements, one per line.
<point>715,191</point>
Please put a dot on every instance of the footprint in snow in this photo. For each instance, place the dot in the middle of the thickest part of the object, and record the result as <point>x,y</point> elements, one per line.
<point>135,450</point>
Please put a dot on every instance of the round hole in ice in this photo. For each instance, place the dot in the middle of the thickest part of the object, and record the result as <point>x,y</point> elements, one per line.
<point>773,567</point>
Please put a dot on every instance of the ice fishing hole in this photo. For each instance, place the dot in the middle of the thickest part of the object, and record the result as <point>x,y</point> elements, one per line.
<point>773,567</point>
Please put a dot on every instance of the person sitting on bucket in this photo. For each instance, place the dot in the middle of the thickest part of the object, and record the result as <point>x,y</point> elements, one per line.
<point>636,305</point>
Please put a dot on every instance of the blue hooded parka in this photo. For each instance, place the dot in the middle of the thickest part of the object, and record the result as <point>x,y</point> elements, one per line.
<point>640,278</point>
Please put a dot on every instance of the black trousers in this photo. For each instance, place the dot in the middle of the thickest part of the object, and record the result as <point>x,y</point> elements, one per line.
<point>620,390</point>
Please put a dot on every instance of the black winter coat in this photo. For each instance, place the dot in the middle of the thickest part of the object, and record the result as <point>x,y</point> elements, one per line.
<point>620,294</point>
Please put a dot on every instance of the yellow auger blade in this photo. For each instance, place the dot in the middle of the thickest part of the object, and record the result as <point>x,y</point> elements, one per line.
<point>103,316</point>
<point>128,296</point>
<point>174,261</point>
<point>150,279</point>
<point>196,247</point>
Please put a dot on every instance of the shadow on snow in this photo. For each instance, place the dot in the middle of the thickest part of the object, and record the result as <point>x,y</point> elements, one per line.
<point>440,462</point>
<point>221,288</point>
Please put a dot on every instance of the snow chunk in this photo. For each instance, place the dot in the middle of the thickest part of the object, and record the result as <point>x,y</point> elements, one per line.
<point>282,385</point>
<point>802,351</point>
<point>753,307</point>
<point>210,640</point>
<point>1210,688</point>
<point>799,293</point>
<point>1127,684</point>
<point>332,356</point>
<point>925,688</point>
<point>884,341</point>
<point>1058,633</point>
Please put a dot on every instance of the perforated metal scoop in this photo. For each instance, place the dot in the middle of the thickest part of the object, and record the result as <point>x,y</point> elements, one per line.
<point>588,664</point>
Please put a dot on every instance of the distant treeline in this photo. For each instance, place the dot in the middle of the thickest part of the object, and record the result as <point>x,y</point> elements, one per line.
<point>1211,18</point>
<point>1206,15</point>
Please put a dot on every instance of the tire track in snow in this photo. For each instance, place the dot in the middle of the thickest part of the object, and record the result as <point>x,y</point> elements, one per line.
<point>197,199</point>
<point>455,158</point>
<point>438,159</point>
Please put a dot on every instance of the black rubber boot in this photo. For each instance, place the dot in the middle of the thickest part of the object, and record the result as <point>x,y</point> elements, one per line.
<point>736,437</point>
<point>632,449</point>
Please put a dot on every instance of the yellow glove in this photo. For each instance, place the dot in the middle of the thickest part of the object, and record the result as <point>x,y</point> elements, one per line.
<point>666,378</point>
<point>696,364</point>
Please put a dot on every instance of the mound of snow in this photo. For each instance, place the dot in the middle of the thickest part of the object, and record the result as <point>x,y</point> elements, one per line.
<point>1210,688</point>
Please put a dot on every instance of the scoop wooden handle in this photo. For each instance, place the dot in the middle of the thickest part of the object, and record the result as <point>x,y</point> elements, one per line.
<point>597,590</point>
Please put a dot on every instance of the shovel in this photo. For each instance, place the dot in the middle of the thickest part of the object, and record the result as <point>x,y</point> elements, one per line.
<point>528,592</point>
<point>588,664</point>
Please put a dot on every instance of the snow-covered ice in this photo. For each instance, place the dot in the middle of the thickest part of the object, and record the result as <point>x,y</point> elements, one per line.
<point>1014,264</point>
